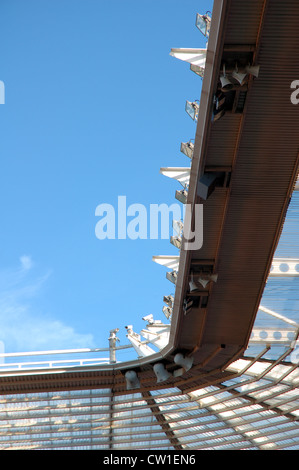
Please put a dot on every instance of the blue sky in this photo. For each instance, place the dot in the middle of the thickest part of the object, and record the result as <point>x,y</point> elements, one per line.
<point>94,106</point>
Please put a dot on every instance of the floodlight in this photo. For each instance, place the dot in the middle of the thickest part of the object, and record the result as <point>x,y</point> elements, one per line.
<point>176,241</point>
<point>187,305</point>
<point>161,373</point>
<point>218,114</point>
<point>192,109</point>
<point>185,362</point>
<point>178,226</point>
<point>132,380</point>
<point>167,311</point>
<point>219,106</point>
<point>172,276</point>
<point>168,299</point>
<point>182,195</point>
<point>114,331</point>
<point>203,23</point>
<point>187,148</point>
<point>197,69</point>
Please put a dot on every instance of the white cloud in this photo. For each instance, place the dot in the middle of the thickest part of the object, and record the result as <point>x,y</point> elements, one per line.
<point>26,262</point>
<point>23,326</point>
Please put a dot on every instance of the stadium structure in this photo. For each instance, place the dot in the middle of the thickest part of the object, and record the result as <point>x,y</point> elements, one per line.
<point>220,372</point>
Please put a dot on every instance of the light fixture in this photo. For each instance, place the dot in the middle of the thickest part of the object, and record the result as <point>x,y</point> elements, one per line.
<point>181,195</point>
<point>187,148</point>
<point>218,115</point>
<point>219,106</point>
<point>207,184</point>
<point>192,109</point>
<point>149,318</point>
<point>176,241</point>
<point>239,76</point>
<point>187,306</point>
<point>178,226</point>
<point>225,82</point>
<point>172,276</point>
<point>167,311</point>
<point>219,101</point>
<point>203,23</point>
<point>197,69</point>
<point>161,373</point>
<point>184,361</point>
<point>168,299</point>
<point>132,380</point>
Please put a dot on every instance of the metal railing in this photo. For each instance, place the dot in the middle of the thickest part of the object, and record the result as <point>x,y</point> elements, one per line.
<point>32,360</point>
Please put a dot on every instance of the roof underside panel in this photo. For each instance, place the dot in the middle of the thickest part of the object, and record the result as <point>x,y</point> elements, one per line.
<point>246,413</point>
<point>242,223</point>
<point>243,22</point>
